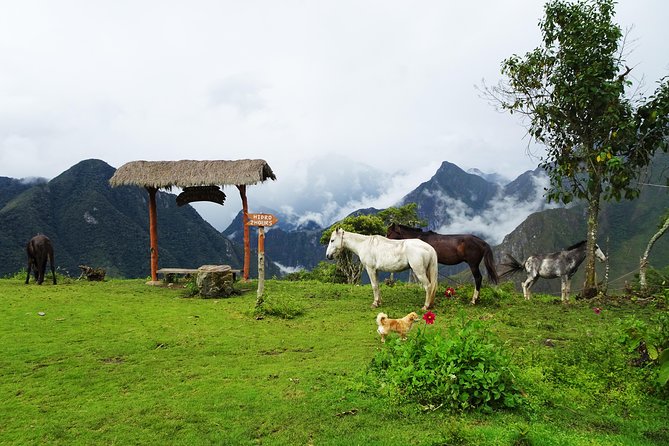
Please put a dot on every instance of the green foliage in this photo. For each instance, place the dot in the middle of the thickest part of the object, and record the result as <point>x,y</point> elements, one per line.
<point>325,272</point>
<point>462,369</point>
<point>360,224</point>
<point>649,344</point>
<point>657,282</point>
<point>190,286</point>
<point>348,265</point>
<point>281,307</point>
<point>403,215</point>
<point>572,90</point>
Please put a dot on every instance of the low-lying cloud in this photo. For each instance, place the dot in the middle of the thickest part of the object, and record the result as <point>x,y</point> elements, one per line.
<point>503,215</point>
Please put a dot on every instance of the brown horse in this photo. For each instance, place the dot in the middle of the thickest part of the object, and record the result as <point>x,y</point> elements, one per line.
<point>40,249</point>
<point>452,250</point>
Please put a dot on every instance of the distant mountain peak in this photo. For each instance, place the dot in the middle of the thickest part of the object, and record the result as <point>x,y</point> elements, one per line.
<point>491,177</point>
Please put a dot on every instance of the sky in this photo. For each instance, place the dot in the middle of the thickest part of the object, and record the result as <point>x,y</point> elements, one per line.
<point>326,85</point>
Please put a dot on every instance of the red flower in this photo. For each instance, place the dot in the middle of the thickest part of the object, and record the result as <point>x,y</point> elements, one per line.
<point>429,317</point>
<point>597,310</point>
<point>450,292</point>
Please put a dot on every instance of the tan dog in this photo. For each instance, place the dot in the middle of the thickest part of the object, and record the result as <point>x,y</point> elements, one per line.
<point>401,326</point>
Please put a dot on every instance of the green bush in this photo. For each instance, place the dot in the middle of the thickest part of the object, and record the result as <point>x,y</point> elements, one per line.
<point>649,343</point>
<point>283,308</point>
<point>325,272</point>
<point>462,369</point>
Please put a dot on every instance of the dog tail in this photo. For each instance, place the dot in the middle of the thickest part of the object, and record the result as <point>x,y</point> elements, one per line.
<point>380,318</point>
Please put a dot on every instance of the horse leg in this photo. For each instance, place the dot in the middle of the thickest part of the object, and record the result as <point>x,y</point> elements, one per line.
<point>527,285</point>
<point>566,285</point>
<point>53,268</point>
<point>30,264</point>
<point>478,278</point>
<point>371,272</point>
<point>40,271</point>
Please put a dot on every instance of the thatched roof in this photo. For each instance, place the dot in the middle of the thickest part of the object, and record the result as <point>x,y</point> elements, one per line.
<point>189,173</point>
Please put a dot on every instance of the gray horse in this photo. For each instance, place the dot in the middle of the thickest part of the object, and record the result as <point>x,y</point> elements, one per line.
<point>561,264</point>
<point>40,249</point>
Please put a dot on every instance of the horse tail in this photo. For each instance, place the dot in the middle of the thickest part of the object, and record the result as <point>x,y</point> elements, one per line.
<point>513,266</point>
<point>490,264</point>
<point>433,275</point>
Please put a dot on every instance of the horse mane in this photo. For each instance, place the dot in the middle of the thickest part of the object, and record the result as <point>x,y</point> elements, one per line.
<point>576,245</point>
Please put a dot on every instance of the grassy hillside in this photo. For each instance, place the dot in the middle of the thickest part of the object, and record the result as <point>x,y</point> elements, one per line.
<point>119,362</point>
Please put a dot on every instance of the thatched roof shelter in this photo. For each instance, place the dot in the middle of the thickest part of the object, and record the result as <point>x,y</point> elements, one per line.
<point>200,181</point>
<point>188,173</point>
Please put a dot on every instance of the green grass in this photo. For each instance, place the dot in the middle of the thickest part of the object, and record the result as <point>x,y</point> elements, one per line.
<point>119,362</point>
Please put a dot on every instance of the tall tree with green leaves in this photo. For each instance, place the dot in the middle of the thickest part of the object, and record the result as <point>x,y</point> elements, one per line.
<point>370,225</point>
<point>403,215</point>
<point>347,262</point>
<point>572,93</point>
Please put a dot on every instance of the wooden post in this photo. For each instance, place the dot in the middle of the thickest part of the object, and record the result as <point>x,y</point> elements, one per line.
<point>261,220</point>
<point>247,241</point>
<point>153,232</point>
<point>261,265</point>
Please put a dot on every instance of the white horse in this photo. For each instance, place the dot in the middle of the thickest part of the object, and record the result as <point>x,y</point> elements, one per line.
<point>561,264</point>
<point>378,253</point>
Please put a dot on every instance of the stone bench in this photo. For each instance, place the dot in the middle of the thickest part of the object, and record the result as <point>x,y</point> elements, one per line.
<point>166,272</point>
<point>211,280</point>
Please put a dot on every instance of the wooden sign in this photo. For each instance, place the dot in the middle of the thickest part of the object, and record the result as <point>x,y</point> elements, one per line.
<point>262,220</point>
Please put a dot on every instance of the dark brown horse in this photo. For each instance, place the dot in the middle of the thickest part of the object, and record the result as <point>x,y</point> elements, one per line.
<point>453,249</point>
<point>40,249</point>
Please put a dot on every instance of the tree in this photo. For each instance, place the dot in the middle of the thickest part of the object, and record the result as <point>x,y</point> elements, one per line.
<point>360,224</point>
<point>643,264</point>
<point>403,215</point>
<point>571,91</point>
<point>370,225</point>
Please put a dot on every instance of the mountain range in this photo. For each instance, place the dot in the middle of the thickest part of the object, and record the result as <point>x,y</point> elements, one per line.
<point>94,224</point>
<point>91,223</point>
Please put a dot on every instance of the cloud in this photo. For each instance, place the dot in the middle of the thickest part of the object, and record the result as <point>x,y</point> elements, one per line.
<point>503,215</point>
<point>282,81</point>
<point>322,190</point>
<point>240,92</point>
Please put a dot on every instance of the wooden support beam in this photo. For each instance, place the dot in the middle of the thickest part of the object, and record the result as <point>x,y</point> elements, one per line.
<point>153,232</point>
<point>247,238</point>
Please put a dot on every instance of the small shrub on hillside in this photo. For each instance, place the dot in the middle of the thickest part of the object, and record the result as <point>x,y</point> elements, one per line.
<point>649,343</point>
<point>323,272</point>
<point>282,308</point>
<point>463,368</point>
<point>62,276</point>
<point>657,283</point>
<point>190,287</point>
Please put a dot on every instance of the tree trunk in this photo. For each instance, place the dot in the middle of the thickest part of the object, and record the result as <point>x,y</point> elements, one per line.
<point>643,266</point>
<point>590,284</point>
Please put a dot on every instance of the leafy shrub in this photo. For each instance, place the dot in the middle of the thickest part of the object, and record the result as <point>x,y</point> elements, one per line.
<point>62,276</point>
<point>281,308</point>
<point>325,272</point>
<point>190,286</point>
<point>463,369</point>
<point>657,284</point>
<point>647,340</point>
